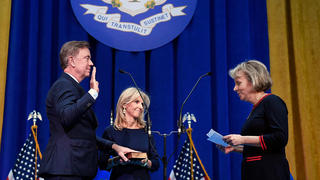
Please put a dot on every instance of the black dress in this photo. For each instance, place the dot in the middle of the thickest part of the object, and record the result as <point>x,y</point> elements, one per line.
<point>268,120</point>
<point>136,139</point>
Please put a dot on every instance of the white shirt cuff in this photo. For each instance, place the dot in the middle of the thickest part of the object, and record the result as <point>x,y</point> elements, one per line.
<point>93,93</point>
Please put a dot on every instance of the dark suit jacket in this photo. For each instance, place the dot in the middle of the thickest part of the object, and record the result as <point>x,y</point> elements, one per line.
<point>72,146</point>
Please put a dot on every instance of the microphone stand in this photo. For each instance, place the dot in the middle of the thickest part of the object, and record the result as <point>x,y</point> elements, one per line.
<point>181,129</point>
<point>180,126</point>
<point>164,157</point>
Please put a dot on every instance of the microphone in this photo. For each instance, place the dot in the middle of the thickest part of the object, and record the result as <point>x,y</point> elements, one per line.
<point>180,126</point>
<point>144,102</point>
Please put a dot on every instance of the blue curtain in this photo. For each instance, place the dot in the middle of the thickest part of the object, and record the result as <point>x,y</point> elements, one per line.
<point>221,34</point>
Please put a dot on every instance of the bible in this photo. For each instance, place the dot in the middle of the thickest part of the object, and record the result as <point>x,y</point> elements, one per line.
<point>134,159</point>
<point>137,155</point>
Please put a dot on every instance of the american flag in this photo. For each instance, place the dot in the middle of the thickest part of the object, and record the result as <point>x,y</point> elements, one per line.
<point>24,167</point>
<point>182,167</point>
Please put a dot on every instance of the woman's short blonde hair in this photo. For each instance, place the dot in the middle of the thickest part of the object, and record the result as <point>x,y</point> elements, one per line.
<point>256,73</point>
<point>126,97</point>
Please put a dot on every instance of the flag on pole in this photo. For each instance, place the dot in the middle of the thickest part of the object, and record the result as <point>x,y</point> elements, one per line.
<point>182,169</point>
<point>24,167</point>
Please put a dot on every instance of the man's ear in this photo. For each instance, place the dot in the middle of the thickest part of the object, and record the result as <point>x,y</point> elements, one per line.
<point>71,61</point>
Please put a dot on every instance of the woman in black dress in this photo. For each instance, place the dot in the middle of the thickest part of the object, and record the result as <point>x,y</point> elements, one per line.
<point>129,130</point>
<point>264,134</point>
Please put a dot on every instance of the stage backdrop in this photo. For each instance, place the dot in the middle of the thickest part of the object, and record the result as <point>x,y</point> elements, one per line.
<point>220,35</point>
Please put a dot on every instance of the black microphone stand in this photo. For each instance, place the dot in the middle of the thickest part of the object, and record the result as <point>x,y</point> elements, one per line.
<point>181,129</point>
<point>164,158</point>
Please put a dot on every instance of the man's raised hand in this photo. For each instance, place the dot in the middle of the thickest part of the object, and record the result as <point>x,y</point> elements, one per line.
<point>94,84</point>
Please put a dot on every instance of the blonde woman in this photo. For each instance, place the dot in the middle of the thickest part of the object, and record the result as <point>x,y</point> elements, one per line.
<point>264,134</point>
<point>129,130</point>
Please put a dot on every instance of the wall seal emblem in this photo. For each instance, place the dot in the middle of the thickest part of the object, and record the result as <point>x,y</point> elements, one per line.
<point>134,25</point>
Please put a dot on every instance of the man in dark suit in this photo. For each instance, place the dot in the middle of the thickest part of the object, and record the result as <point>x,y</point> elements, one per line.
<point>71,153</point>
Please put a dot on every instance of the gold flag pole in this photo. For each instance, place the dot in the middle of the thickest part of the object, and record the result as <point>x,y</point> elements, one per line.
<point>189,132</point>
<point>190,118</point>
<point>34,128</point>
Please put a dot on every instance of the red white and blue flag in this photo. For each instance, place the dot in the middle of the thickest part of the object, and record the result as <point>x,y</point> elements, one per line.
<point>24,167</point>
<point>182,167</point>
